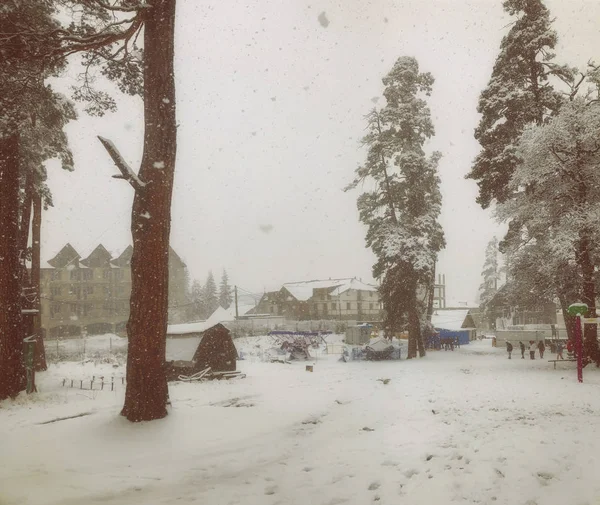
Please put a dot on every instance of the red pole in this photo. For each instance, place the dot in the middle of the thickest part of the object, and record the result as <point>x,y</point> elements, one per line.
<point>579,349</point>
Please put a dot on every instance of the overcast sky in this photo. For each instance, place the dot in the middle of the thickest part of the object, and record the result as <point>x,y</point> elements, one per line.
<point>270,105</point>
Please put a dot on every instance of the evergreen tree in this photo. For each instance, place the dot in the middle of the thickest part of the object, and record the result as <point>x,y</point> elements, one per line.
<point>197,300</point>
<point>32,117</point>
<point>105,34</point>
<point>490,273</point>
<point>209,295</point>
<point>518,93</point>
<point>561,201</point>
<point>225,296</point>
<point>401,211</point>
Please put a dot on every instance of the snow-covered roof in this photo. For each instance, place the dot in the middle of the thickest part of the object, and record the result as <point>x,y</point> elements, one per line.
<point>446,319</point>
<point>184,329</point>
<point>467,304</point>
<point>302,291</point>
<point>220,315</point>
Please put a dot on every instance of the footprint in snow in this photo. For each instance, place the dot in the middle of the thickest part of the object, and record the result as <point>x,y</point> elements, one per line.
<point>374,486</point>
<point>270,490</point>
<point>409,473</point>
<point>545,478</point>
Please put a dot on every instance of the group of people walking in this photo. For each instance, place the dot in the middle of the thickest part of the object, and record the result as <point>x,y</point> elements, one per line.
<point>533,347</point>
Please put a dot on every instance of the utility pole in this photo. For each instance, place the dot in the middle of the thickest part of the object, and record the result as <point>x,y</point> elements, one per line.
<point>236,302</point>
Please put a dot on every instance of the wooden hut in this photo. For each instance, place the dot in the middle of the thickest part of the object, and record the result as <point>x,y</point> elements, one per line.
<point>215,350</point>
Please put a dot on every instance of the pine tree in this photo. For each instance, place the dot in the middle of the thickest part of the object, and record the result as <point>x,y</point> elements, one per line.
<point>490,273</point>
<point>209,295</point>
<point>105,34</point>
<point>518,93</point>
<point>32,118</point>
<point>401,212</point>
<point>197,300</point>
<point>225,296</point>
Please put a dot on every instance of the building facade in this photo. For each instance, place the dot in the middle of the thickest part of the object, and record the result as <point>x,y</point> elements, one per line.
<point>346,299</point>
<point>91,295</point>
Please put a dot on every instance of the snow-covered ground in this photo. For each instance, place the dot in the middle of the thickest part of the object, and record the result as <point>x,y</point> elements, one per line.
<point>467,426</point>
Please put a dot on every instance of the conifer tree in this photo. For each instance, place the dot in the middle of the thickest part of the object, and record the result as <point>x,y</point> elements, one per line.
<point>519,92</point>
<point>401,211</point>
<point>225,296</point>
<point>210,298</point>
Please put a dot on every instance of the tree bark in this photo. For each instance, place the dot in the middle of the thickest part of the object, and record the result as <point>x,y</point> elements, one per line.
<point>590,331</point>
<point>12,371</point>
<point>36,238</point>
<point>568,318</point>
<point>414,323</point>
<point>146,394</point>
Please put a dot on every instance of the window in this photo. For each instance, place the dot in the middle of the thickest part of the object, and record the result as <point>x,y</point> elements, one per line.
<point>89,290</point>
<point>333,306</point>
<point>106,274</point>
<point>74,275</point>
<point>358,306</point>
<point>106,290</point>
<point>71,289</point>
<point>55,290</point>
<point>87,275</point>
<point>55,275</point>
<point>118,274</point>
<point>73,308</point>
<point>348,306</point>
<point>54,310</point>
<point>371,306</point>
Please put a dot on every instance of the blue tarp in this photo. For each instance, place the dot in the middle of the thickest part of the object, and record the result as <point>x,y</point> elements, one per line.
<point>462,335</point>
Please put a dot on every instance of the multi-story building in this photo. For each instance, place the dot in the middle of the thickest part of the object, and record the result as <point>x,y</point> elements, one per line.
<point>342,299</point>
<point>91,295</point>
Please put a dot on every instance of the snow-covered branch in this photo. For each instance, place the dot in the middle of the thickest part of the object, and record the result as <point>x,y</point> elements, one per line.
<point>126,172</point>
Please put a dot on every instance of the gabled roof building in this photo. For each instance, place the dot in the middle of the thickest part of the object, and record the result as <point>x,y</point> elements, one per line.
<point>91,295</point>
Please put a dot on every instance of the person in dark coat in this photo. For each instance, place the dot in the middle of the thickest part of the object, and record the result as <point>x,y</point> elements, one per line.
<point>509,349</point>
<point>522,346</point>
<point>541,348</point>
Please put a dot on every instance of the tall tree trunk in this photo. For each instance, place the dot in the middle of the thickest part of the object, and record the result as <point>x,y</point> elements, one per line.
<point>413,332</point>
<point>27,296</point>
<point>590,333</point>
<point>420,344</point>
<point>12,372</point>
<point>25,221</point>
<point>431,295</point>
<point>146,394</point>
<point>567,318</point>
<point>36,241</point>
<point>414,324</point>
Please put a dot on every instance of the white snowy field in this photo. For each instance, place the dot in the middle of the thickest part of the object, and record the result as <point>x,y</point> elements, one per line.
<point>467,426</point>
